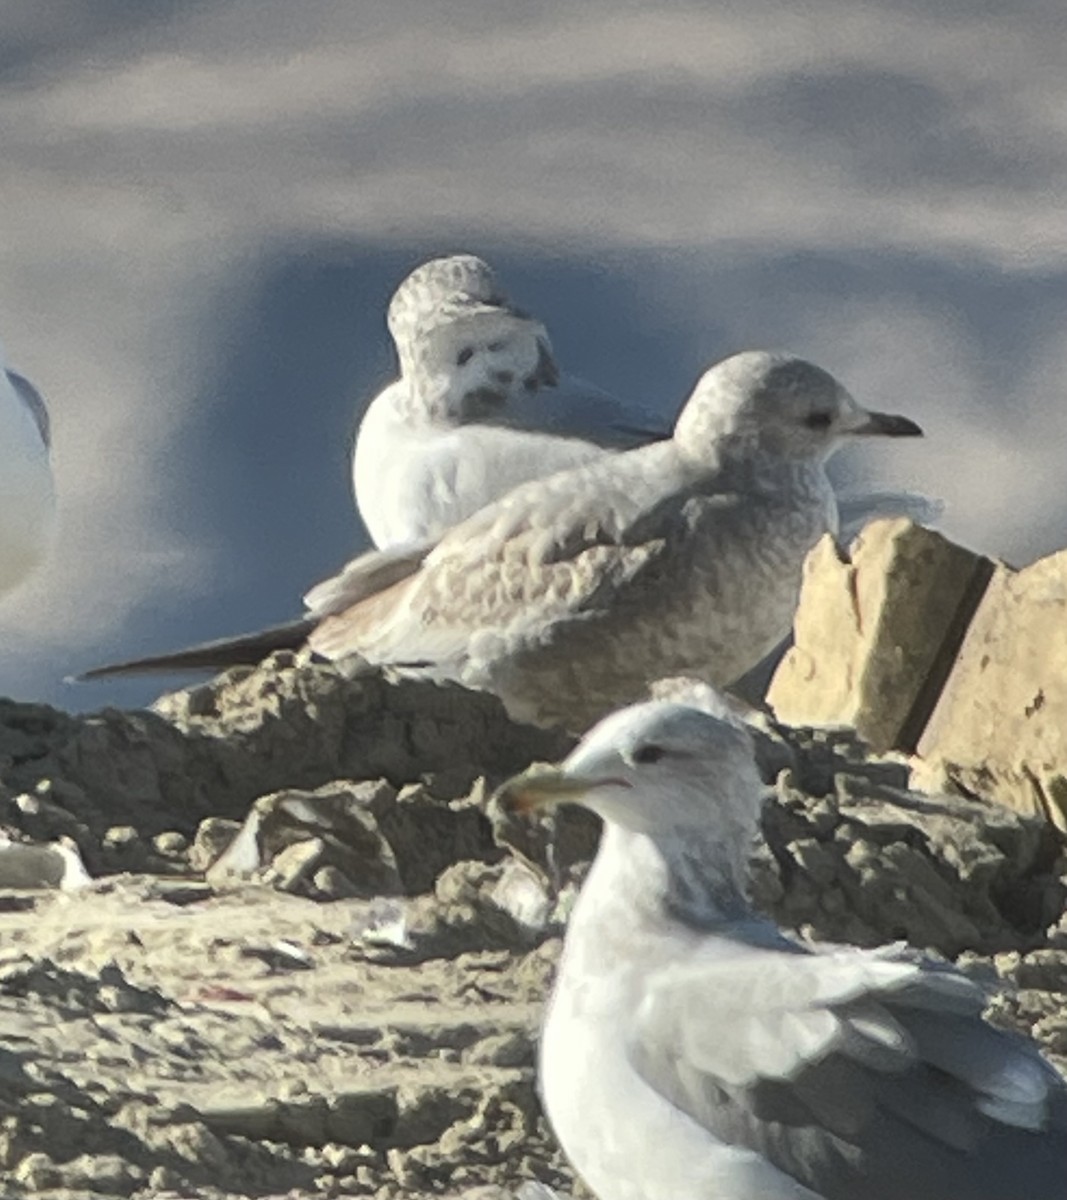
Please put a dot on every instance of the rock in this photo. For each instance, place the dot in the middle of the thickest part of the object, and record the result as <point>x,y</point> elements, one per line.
<point>924,647</point>
<point>289,837</point>
<point>351,1119</point>
<point>876,632</point>
<point>515,1049</point>
<point>102,1174</point>
<point>38,1172</point>
<point>428,835</point>
<point>55,865</point>
<point>462,915</point>
<point>875,864</point>
<point>1000,726</point>
<point>171,844</point>
<point>295,724</point>
<point>524,895</point>
<point>211,751</point>
<point>107,991</point>
<point>48,814</point>
<point>213,836</point>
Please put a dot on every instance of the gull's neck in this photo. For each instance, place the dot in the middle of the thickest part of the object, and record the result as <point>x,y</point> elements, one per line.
<point>421,399</point>
<point>743,468</point>
<point>687,875</point>
<point>800,485</point>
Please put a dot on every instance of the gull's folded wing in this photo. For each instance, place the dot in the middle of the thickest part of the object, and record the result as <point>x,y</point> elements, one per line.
<point>574,408</point>
<point>856,1076</point>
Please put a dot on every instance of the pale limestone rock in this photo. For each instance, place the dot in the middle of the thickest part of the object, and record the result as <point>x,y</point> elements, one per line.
<point>875,632</point>
<point>289,836</point>
<point>1000,726</point>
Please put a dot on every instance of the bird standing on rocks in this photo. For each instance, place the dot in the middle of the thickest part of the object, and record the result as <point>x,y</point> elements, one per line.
<point>691,1051</point>
<point>570,594</point>
<point>27,491</point>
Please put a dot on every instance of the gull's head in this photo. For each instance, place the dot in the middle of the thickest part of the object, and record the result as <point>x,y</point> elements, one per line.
<point>457,275</point>
<point>469,362</point>
<point>774,403</point>
<point>656,768</point>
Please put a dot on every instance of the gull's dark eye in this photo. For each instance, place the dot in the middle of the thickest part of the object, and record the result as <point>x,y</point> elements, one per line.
<point>464,356</point>
<point>819,420</point>
<point>648,754</point>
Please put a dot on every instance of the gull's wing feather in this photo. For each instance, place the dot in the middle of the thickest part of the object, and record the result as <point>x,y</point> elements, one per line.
<point>245,650</point>
<point>365,576</point>
<point>575,408</point>
<point>536,556</point>
<point>855,1075</point>
<point>34,401</point>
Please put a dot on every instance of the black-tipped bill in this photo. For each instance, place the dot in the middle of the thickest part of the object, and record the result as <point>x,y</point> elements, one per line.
<point>879,424</point>
<point>545,787</point>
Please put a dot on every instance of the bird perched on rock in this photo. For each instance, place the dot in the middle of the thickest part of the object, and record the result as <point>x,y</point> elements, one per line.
<point>692,1051</point>
<point>27,491</point>
<point>568,595</point>
<point>479,407</point>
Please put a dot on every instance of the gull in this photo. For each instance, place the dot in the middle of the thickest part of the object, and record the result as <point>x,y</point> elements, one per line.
<point>692,1051</point>
<point>570,594</point>
<point>479,406</point>
<point>27,492</point>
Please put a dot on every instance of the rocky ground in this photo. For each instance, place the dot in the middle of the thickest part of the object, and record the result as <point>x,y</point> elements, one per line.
<point>311,957</point>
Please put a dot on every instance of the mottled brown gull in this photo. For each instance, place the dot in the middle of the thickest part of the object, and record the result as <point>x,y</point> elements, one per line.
<point>570,594</point>
<point>479,407</point>
<point>693,1052</point>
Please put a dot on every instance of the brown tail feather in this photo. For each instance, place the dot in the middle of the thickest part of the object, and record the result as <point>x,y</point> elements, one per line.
<point>246,650</point>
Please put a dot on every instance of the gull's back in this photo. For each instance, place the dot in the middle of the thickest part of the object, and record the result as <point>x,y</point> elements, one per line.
<point>416,482</point>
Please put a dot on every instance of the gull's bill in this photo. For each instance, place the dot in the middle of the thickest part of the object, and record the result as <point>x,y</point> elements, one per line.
<point>879,424</point>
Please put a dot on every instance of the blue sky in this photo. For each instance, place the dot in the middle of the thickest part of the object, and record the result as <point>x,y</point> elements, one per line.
<point>207,205</point>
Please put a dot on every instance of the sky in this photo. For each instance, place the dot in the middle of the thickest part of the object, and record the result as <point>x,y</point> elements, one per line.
<point>205,206</point>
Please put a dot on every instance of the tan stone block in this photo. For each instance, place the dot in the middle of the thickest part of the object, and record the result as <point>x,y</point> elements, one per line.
<point>1000,726</point>
<point>876,632</point>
